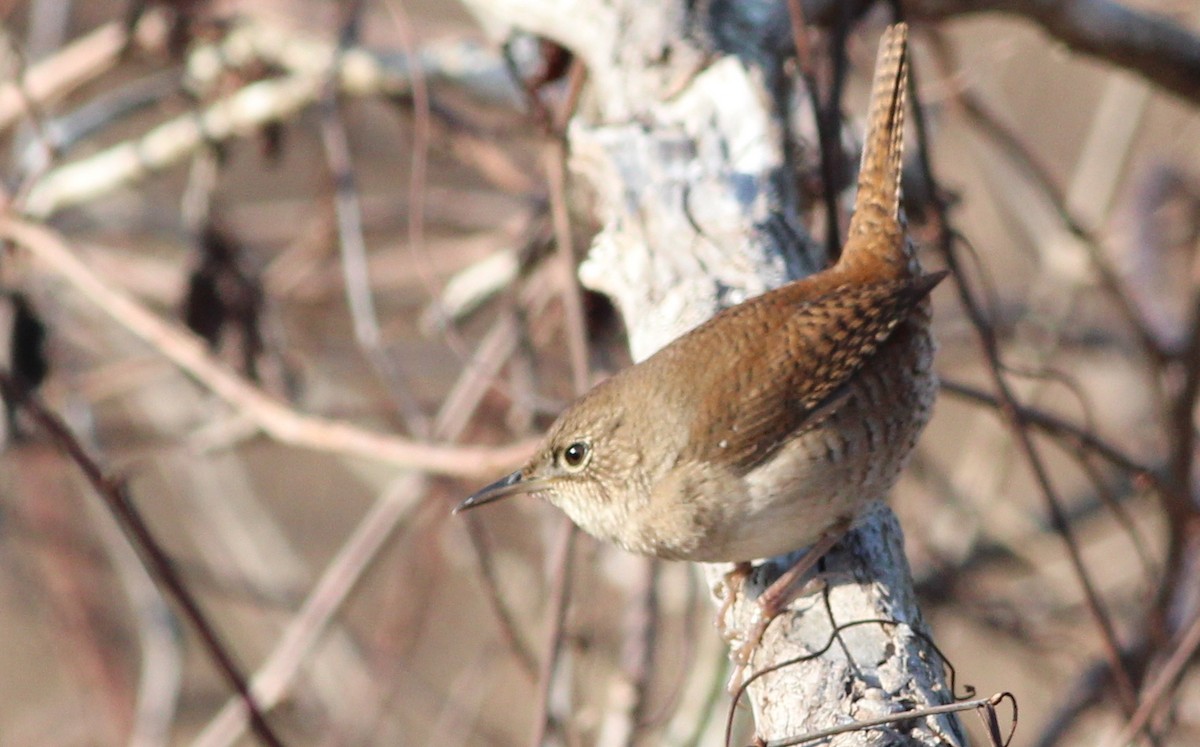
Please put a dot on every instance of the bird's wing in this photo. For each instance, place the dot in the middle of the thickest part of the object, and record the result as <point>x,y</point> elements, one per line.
<point>790,366</point>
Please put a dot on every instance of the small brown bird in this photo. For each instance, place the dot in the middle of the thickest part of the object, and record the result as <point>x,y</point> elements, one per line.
<point>770,426</point>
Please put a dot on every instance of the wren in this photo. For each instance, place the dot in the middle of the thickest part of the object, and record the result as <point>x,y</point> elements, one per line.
<point>770,426</point>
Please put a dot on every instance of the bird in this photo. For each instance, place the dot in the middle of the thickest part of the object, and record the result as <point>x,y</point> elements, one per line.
<point>771,426</point>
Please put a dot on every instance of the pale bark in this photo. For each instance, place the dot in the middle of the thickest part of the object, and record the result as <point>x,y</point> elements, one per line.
<point>682,148</point>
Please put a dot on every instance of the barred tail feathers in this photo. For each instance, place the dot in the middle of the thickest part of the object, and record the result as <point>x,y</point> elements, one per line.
<point>875,231</point>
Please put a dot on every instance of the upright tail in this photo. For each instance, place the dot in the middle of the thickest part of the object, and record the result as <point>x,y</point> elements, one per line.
<point>876,234</point>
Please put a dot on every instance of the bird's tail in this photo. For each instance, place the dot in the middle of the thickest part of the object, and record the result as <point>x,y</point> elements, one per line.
<point>876,233</point>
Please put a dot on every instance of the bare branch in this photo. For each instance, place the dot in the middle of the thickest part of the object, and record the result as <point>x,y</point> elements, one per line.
<point>73,66</point>
<point>116,497</point>
<point>1151,45</point>
<point>275,419</point>
<point>310,64</point>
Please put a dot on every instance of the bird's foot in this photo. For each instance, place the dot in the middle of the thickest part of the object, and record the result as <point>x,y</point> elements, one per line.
<point>742,653</point>
<point>791,585</point>
<point>731,584</point>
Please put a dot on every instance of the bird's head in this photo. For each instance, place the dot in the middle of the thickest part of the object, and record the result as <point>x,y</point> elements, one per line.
<point>591,464</point>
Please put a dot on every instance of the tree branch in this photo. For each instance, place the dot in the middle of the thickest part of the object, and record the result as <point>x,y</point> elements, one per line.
<point>273,417</point>
<point>1153,46</point>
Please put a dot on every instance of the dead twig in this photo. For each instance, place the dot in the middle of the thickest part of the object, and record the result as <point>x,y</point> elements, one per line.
<point>1080,438</point>
<point>274,418</point>
<point>986,706</point>
<point>115,495</point>
<point>161,666</point>
<point>276,675</point>
<point>355,276</point>
<point>1147,43</point>
<point>1011,411</point>
<point>560,559</point>
<point>274,679</point>
<point>1111,281</point>
<point>1154,694</point>
<point>74,65</point>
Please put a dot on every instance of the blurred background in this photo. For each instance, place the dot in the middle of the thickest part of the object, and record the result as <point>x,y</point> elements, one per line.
<point>374,251</point>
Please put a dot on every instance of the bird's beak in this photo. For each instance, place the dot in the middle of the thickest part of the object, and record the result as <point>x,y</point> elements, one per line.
<point>502,488</point>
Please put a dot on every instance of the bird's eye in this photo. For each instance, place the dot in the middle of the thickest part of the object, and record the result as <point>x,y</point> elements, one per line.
<point>575,457</point>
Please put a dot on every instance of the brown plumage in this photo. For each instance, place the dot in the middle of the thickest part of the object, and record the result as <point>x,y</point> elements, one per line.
<point>770,425</point>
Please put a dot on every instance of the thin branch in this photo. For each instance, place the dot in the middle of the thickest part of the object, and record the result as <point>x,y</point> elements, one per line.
<point>1181,420</point>
<point>161,660</point>
<point>646,618</point>
<point>275,676</point>
<point>309,64</point>
<point>349,224</point>
<point>1014,147</point>
<point>1179,497</point>
<point>564,263</point>
<point>355,276</point>
<point>988,703</point>
<point>115,495</point>
<point>1153,695</point>
<point>1151,45</point>
<point>243,112</point>
<point>829,128</point>
<point>1121,515</point>
<point>560,559</point>
<point>275,419</point>
<point>63,579</point>
<point>509,628</point>
<point>1074,700</point>
<point>1052,424</point>
<point>73,66</point>
<point>1011,411</point>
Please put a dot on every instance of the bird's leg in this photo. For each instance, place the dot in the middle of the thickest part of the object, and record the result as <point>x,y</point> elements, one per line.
<point>776,597</point>
<point>783,590</point>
